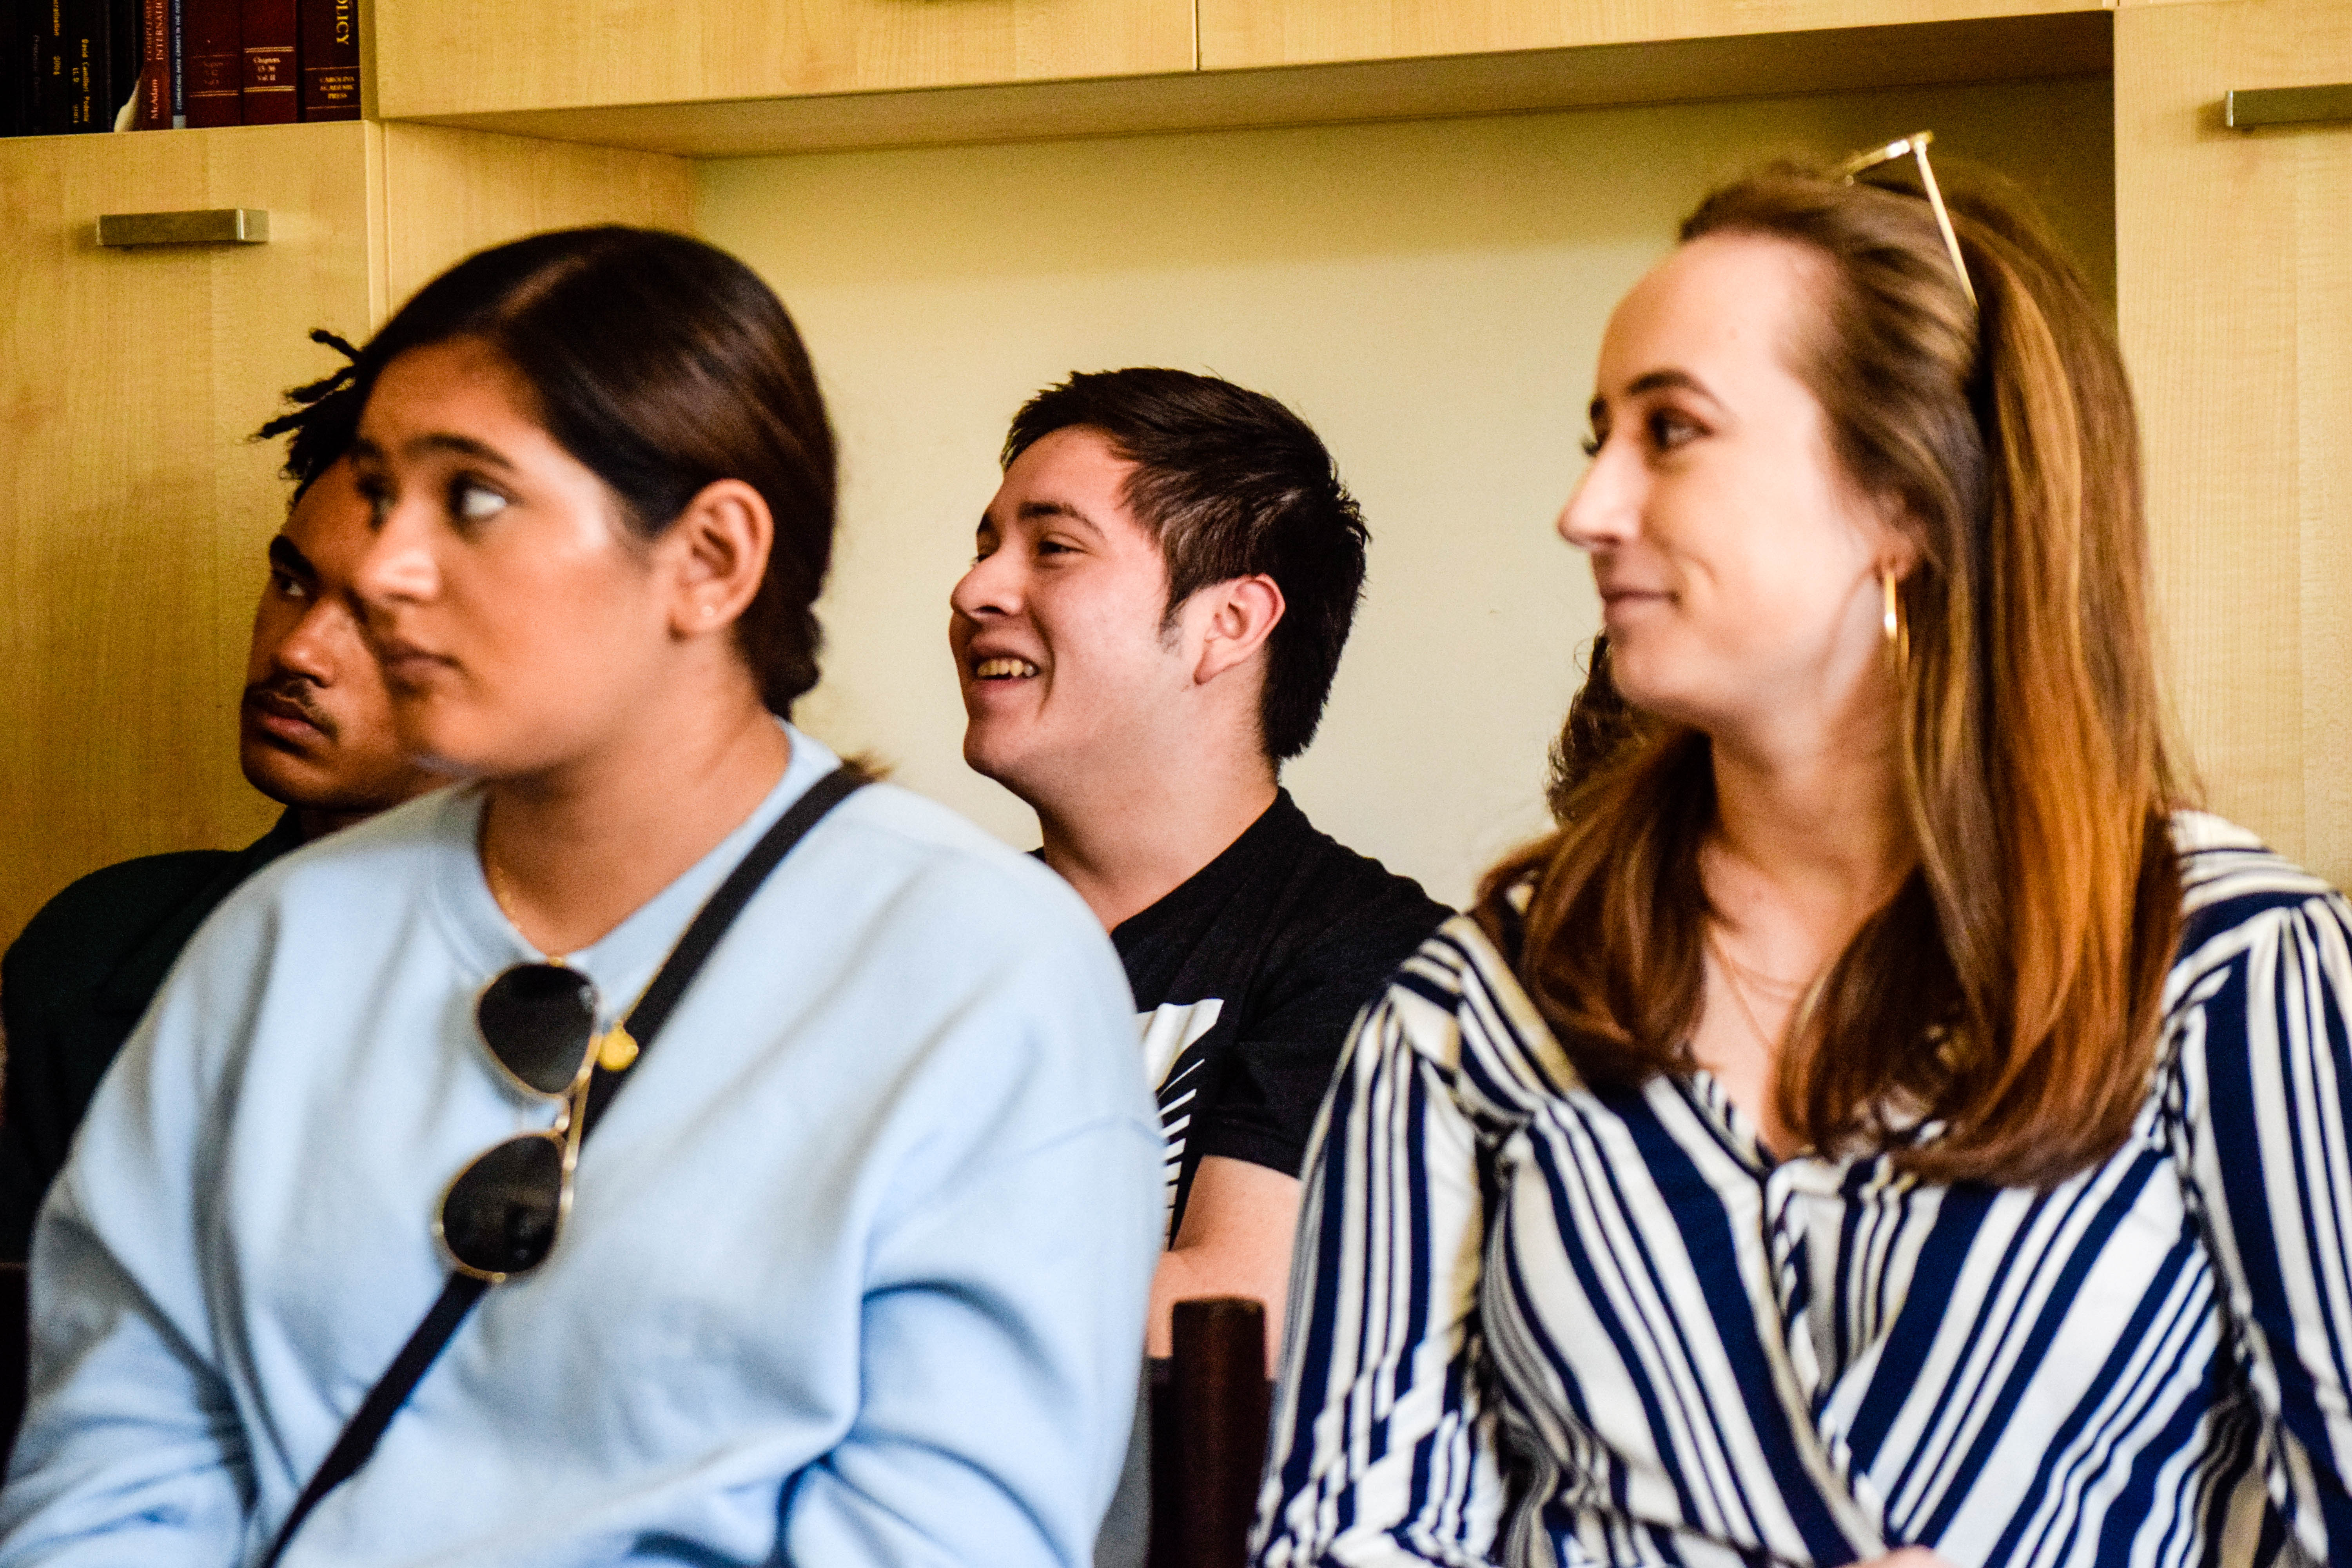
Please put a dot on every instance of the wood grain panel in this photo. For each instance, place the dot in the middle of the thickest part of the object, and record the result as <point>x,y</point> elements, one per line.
<point>2322,234</point>
<point>132,511</point>
<point>2235,261</point>
<point>2009,48</point>
<point>448,193</point>
<point>493,54</point>
<point>1243,34</point>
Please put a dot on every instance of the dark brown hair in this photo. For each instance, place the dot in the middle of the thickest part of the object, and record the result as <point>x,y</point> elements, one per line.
<point>1231,484</point>
<point>324,421</point>
<point>2011,988</point>
<point>662,364</point>
<point>1601,724</point>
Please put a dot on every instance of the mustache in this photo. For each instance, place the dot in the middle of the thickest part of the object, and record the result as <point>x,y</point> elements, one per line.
<point>292,695</point>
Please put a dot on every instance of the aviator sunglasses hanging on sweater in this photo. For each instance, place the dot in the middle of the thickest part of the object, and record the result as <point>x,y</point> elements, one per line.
<point>500,1217</point>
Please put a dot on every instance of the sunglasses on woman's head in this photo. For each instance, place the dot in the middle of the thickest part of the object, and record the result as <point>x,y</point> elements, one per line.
<point>501,1216</point>
<point>1914,147</point>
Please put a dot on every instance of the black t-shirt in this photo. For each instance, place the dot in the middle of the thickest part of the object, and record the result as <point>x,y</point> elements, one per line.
<point>1246,978</point>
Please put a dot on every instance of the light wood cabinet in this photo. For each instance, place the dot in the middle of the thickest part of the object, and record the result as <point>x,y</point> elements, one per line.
<point>2234,268</point>
<point>133,510</point>
<point>506,55</point>
<point>1244,34</point>
<point>787,76</point>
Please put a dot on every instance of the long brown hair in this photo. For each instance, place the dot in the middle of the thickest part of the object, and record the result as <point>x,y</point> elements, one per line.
<point>2010,991</point>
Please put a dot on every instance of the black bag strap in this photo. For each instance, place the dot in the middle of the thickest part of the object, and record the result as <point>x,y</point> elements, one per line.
<point>367,1425</point>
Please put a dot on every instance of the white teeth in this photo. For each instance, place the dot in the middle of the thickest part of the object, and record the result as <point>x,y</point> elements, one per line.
<point>1004,668</point>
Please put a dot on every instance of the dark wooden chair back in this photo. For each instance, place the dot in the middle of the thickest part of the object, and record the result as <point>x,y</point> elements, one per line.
<point>1209,1413</point>
<point>14,1350</point>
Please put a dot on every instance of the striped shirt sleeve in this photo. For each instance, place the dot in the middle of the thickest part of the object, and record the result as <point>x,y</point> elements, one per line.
<point>1385,1441</point>
<point>2260,1113</point>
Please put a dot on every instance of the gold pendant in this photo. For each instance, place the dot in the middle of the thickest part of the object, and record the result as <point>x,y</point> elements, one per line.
<point>617,1050</point>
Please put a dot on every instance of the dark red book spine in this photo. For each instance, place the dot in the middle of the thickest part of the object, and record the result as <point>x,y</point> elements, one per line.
<point>154,65</point>
<point>330,59</point>
<point>272,91</point>
<point>213,55</point>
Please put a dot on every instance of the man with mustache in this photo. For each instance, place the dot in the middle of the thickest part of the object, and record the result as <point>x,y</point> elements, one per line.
<point>314,733</point>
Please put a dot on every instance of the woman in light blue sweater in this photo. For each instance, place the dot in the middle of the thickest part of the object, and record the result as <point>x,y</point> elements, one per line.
<point>854,1268</point>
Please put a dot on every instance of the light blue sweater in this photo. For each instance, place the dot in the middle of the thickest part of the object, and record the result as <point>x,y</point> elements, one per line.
<point>856,1272</point>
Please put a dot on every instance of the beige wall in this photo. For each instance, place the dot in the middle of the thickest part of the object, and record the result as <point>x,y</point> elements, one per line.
<point>1429,295</point>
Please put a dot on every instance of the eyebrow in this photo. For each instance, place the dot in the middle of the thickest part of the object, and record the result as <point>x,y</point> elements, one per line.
<point>442,441</point>
<point>287,557</point>
<point>1658,380</point>
<point>1029,510</point>
<point>439,441</point>
<point>1654,381</point>
<point>1035,509</point>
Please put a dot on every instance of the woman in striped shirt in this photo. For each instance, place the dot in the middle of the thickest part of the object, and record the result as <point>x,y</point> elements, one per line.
<point>1877,1122</point>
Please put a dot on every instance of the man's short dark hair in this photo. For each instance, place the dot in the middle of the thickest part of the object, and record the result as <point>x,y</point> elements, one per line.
<point>1231,484</point>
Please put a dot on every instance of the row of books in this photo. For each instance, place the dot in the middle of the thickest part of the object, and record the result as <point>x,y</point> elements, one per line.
<point>69,66</point>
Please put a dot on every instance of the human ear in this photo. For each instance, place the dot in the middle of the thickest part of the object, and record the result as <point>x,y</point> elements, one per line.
<point>716,553</point>
<point>1894,546</point>
<point>1236,616</point>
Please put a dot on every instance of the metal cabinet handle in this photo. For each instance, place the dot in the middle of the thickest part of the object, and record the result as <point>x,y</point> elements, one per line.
<point>2285,105</point>
<point>218,225</point>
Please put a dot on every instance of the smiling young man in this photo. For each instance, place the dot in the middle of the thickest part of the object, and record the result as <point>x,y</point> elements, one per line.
<point>1164,585</point>
<point>314,733</point>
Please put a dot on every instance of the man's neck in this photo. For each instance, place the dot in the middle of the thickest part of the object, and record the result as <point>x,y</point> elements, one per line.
<point>1126,843</point>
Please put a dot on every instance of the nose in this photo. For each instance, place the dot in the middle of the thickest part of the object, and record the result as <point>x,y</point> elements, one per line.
<point>399,567</point>
<point>320,642</point>
<point>991,588</point>
<point>1604,510</point>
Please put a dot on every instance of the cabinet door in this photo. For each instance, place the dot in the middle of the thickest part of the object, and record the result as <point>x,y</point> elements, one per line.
<point>504,54</point>
<point>132,512</point>
<point>2234,281</point>
<point>1240,33</point>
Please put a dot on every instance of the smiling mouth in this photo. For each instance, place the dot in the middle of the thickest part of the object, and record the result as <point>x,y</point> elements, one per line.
<point>1004,668</point>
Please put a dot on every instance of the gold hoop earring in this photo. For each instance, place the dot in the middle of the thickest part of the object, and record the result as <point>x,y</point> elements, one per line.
<point>1898,636</point>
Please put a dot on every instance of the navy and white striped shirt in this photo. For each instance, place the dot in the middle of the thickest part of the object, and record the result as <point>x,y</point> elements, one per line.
<point>1533,1322</point>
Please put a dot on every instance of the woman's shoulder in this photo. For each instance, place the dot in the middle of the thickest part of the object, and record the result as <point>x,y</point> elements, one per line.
<point>920,884</point>
<point>1456,964</point>
<point>349,881</point>
<point>1456,1003</point>
<point>904,837</point>
<point>2229,877</point>
<point>2257,930</point>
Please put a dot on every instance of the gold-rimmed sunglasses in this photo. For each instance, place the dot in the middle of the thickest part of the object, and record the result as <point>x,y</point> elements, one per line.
<point>1914,147</point>
<point>500,1216</point>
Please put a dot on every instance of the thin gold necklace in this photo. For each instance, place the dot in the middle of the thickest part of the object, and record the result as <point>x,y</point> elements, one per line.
<point>1769,985</point>
<point>1732,969</point>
